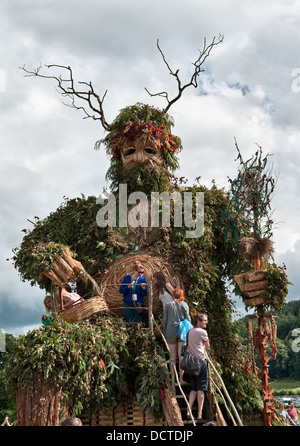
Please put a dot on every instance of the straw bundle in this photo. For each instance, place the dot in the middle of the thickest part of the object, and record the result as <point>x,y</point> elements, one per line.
<point>110,281</point>
<point>252,247</point>
<point>64,269</point>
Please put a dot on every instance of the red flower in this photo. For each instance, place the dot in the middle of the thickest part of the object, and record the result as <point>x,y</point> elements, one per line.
<point>102,363</point>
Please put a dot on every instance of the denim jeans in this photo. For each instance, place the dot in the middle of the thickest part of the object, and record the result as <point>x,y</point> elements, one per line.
<point>133,315</point>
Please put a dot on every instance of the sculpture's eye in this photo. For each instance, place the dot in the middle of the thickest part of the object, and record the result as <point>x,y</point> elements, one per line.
<point>129,151</point>
<point>150,150</point>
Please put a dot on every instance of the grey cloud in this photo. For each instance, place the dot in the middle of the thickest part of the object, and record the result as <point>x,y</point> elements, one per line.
<point>291,258</point>
<point>47,149</point>
<point>12,315</point>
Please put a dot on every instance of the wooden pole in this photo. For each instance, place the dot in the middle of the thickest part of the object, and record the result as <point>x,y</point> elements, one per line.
<point>262,337</point>
<point>257,262</point>
<point>150,318</point>
<point>239,421</point>
<point>54,301</point>
<point>224,401</point>
<point>262,344</point>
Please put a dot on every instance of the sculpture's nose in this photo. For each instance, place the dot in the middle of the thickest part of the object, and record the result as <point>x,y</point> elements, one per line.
<point>139,155</point>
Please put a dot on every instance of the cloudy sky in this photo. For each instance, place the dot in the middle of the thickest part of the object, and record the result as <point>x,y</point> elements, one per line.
<point>250,90</point>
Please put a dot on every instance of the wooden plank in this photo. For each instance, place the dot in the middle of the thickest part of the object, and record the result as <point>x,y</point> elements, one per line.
<point>86,421</point>
<point>255,286</point>
<point>254,276</point>
<point>52,276</point>
<point>127,414</point>
<point>257,293</point>
<point>254,302</point>
<point>251,283</point>
<point>59,271</point>
<point>120,415</point>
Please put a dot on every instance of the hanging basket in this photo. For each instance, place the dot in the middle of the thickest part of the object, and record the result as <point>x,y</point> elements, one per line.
<point>253,285</point>
<point>84,310</point>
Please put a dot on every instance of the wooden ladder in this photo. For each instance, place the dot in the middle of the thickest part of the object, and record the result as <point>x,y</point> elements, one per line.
<point>211,408</point>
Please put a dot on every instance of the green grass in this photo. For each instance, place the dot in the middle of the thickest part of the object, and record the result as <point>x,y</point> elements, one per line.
<point>286,386</point>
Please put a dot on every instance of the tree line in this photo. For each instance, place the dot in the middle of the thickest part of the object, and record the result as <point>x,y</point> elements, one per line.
<point>287,363</point>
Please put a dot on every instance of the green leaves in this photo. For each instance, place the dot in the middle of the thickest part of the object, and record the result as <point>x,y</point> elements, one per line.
<point>73,224</point>
<point>277,288</point>
<point>250,197</point>
<point>96,365</point>
<point>149,381</point>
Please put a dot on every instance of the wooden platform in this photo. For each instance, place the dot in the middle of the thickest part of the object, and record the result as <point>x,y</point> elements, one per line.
<point>127,414</point>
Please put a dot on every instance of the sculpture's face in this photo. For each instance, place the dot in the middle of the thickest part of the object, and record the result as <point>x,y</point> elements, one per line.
<point>140,152</point>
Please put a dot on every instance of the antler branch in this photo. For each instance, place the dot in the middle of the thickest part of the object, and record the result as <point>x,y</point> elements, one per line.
<point>203,55</point>
<point>67,88</point>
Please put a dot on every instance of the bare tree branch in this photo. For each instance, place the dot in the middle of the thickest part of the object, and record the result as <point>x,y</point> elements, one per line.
<point>67,88</point>
<point>84,91</point>
<point>203,55</point>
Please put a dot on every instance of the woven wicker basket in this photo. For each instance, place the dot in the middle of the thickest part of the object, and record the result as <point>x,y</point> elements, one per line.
<point>109,282</point>
<point>84,310</point>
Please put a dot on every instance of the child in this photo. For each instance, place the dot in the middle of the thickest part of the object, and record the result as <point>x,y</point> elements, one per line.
<point>48,304</point>
<point>69,298</point>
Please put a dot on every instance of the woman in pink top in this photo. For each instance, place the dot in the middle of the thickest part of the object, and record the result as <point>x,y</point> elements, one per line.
<point>69,298</point>
<point>197,343</point>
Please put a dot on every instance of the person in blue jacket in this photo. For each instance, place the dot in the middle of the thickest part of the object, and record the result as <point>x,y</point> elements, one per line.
<point>134,289</point>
